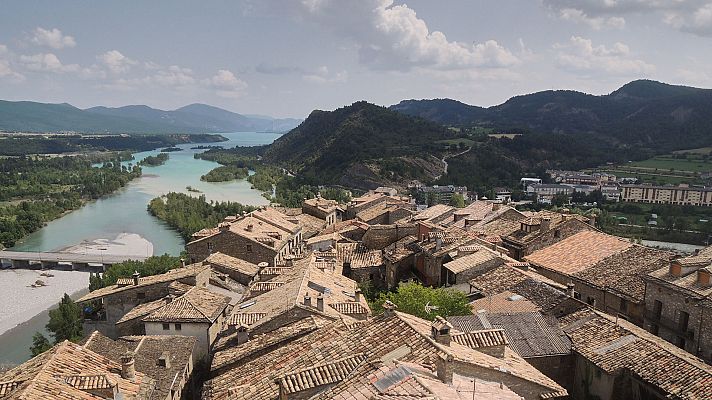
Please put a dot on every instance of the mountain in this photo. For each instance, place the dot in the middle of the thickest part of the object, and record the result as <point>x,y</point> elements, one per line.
<point>194,118</point>
<point>361,145</point>
<point>642,113</point>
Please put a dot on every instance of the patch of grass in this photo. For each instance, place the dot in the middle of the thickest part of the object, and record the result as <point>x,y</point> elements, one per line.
<point>674,164</point>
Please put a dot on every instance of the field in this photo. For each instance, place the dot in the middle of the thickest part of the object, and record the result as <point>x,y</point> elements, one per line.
<point>667,163</point>
<point>671,169</point>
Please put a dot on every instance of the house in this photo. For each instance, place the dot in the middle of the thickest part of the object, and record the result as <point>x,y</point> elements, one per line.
<point>264,235</point>
<point>543,229</point>
<point>131,323</point>
<point>545,192</point>
<point>168,360</point>
<point>241,271</point>
<point>399,258</point>
<point>388,191</point>
<point>342,360</point>
<point>373,199</point>
<point>75,372</point>
<point>606,271</point>
<point>435,214</point>
<point>678,303</point>
<point>503,195</point>
<point>199,313</point>
<point>327,210</point>
<point>440,194</point>
<point>615,359</point>
<point>469,261</point>
<point>435,250</point>
<point>104,307</point>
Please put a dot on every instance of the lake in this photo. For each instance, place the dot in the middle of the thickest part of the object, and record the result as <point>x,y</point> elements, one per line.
<point>125,212</point>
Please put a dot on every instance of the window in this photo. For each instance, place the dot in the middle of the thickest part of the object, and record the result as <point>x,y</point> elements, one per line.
<point>140,295</point>
<point>683,321</point>
<point>166,327</point>
<point>657,309</point>
<point>210,246</point>
<point>249,248</point>
<point>681,342</point>
<point>178,327</point>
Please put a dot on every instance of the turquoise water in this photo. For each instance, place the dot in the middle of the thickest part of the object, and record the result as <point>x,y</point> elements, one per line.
<point>125,211</point>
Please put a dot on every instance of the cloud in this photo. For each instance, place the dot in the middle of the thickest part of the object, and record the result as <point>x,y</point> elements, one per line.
<point>392,37</point>
<point>694,16</point>
<point>322,75</point>
<point>581,56</point>
<point>116,62</point>
<point>226,84</point>
<point>269,69</point>
<point>53,38</point>
<point>47,62</point>
<point>174,76</point>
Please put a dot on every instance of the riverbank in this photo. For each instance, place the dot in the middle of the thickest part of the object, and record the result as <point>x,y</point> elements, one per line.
<point>125,244</point>
<point>17,284</point>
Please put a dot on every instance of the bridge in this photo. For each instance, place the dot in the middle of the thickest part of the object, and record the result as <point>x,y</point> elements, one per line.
<point>59,260</point>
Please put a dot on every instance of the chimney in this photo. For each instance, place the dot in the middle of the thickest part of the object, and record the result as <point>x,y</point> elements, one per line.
<point>307,300</point>
<point>495,206</point>
<point>675,269</point>
<point>389,308</point>
<point>289,260</point>
<point>570,289</point>
<point>242,334</point>
<point>469,222</point>
<point>182,262</point>
<point>438,243</point>
<point>320,302</point>
<point>445,368</point>
<point>136,276</point>
<point>440,329</point>
<point>545,224</point>
<point>249,227</point>
<point>703,277</point>
<point>169,299</point>
<point>357,295</point>
<point>128,369</point>
<point>165,360</point>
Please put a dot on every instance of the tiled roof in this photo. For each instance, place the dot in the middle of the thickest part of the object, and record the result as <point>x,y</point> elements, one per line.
<point>435,213</point>
<point>142,310</point>
<point>623,272</point>
<point>482,338</point>
<point>617,345</point>
<point>274,270</point>
<point>265,286</point>
<point>65,373</point>
<point>359,255</point>
<point>320,375</point>
<point>147,351</point>
<point>479,256</point>
<point>172,275</point>
<point>232,263</point>
<point>198,305</point>
<point>687,281</point>
<point>245,319</point>
<point>578,252</point>
<point>505,302</point>
<point>556,220</point>
<point>349,307</point>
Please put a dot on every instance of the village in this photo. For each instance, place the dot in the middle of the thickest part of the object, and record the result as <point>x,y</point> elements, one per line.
<point>271,305</point>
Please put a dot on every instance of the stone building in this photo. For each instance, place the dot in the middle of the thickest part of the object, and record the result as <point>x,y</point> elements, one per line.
<point>104,307</point>
<point>678,303</point>
<point>604,271</point>
<point>325,209</point>
<point>361,264</point>
<point>264,235</point>
<point>615,359</point>
<point>168,360</point>
<point>468,262</point>
<point>199,313</point>
<point>241,271</point>
<point>543,229</point>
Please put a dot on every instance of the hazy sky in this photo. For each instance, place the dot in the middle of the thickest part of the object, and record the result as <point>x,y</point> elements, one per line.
<point>286,58</point>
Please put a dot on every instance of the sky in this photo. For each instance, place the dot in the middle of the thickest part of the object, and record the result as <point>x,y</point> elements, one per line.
<point>285,58</point>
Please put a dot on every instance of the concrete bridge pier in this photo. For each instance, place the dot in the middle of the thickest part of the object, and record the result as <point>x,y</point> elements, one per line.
<point>80,266</point>
<point>49,264</point>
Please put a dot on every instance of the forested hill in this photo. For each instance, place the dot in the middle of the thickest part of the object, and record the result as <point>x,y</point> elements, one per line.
<point>333,146</point>
<point>27,116</point>
<point>655,115</point>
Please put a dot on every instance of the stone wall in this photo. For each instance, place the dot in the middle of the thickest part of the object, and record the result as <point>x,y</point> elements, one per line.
<point>381,236</point>
<point>233,245</point>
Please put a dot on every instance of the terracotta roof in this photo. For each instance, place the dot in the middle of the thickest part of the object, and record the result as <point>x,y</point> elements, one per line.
<point>435,213</point>
<point>172,275</point>
<point>617,346</point>
<point>66,372</point>
<point>358,255</point>
<point>479,256</point>
<point>147,351</point>
<point>505,302</point>
<point>578,252</point>
<point>142,310</point>
<point>232,263</point>
<point>556,220</point>
<point>320,375</point>
<point>199,305</point>
<point>245,319</point>
<point>350,308</point>
<point>687,281</point>
<point>482,338</point>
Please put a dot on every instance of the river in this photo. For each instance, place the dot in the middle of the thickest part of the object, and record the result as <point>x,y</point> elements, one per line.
<point>125,212</point>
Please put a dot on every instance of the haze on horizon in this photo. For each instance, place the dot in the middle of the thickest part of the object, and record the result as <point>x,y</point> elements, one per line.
<point>285,59</point>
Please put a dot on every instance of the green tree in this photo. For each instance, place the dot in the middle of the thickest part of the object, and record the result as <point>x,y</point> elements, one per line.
<point>457,200</point>
<point>40,344</point>
<point>412,298</point>
<point>559,199</point>
<point>65,322</point>
<point>151,266</point>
